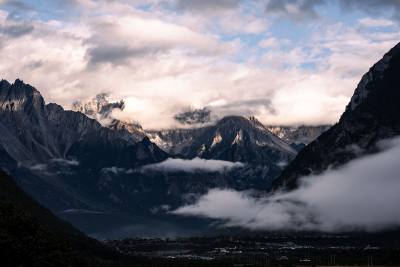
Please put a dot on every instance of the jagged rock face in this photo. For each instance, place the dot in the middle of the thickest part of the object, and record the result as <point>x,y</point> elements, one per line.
<point>101,109</point>
<point>174,141</point>
<point>372,115</point>
<point>23,123</point>
<point>135,130</point>
<point>239,139</point>
<point>98,105</point>
<point>106,147</point>
<point>35,132</point>
<point>20,97</point>
<point>37,140</point>
<point>298,135</point>
<point>233,138</point>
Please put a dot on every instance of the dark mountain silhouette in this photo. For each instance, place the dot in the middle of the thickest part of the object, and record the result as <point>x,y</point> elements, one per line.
<point>372,115</point>
<point>59,156</point>
<point>32,236</point>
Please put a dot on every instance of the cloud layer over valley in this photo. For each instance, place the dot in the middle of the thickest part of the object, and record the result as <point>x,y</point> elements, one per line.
<point>193,165</point>
<point>363,195</point>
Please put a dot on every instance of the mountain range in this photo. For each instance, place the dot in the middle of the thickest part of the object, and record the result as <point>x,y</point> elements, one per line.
<point>183,141</point>
<point>101,173</point>
<point>90,168</point>
<point>112,178</point>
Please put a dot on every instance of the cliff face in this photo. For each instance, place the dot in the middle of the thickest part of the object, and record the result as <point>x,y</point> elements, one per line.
<point>33,132</point>
<point>101,109</point>
<point>372,115</point>
<point>298,135</point>
<point>53,152</point>
<point>232,138</point>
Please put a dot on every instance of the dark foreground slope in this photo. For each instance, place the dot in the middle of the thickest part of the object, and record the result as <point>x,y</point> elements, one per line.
<point>31,235</point>
<point>372,115</point>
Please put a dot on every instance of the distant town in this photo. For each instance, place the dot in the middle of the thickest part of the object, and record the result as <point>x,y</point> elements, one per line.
<point>274,249</point>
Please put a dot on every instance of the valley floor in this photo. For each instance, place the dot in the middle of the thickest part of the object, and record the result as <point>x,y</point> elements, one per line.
<point>269,250</point>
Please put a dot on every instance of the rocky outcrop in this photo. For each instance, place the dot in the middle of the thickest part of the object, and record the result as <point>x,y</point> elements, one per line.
<point>232,138</point>
<point>101,109</point>
<point>303,134</point>
<point>51,151</point>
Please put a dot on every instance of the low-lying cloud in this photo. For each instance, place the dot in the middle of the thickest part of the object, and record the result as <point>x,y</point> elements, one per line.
<point>55,166</point>
<point>193,165</point>
<point>363,195</point>
<point>117,170</point>
<point>38,167</point>
<point>65,162</point>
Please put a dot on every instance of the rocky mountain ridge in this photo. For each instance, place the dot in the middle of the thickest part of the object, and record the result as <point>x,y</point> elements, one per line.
<point>57,156</point>
<point>303,134</point>
<point>82,170</point>
<point>101,109</point>
<point>371,116</point>
<point>176,141</point>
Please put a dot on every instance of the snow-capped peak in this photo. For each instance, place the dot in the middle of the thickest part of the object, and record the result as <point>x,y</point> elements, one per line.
<point>238,138</point>
<point>217,139</point>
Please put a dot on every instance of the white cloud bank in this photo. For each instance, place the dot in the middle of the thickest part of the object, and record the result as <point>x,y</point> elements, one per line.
<point>193,165</point>
<point>161,61</point>
<point>363,195</point>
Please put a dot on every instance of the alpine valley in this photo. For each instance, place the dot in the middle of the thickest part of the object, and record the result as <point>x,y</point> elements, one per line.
<point>112,178</point>
<point>200,133</point>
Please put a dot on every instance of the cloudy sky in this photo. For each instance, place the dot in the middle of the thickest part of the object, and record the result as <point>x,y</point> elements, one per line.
<point>286,61</point>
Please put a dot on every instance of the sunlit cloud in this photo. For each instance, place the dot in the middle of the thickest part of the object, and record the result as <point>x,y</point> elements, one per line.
<point>162,57</point>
